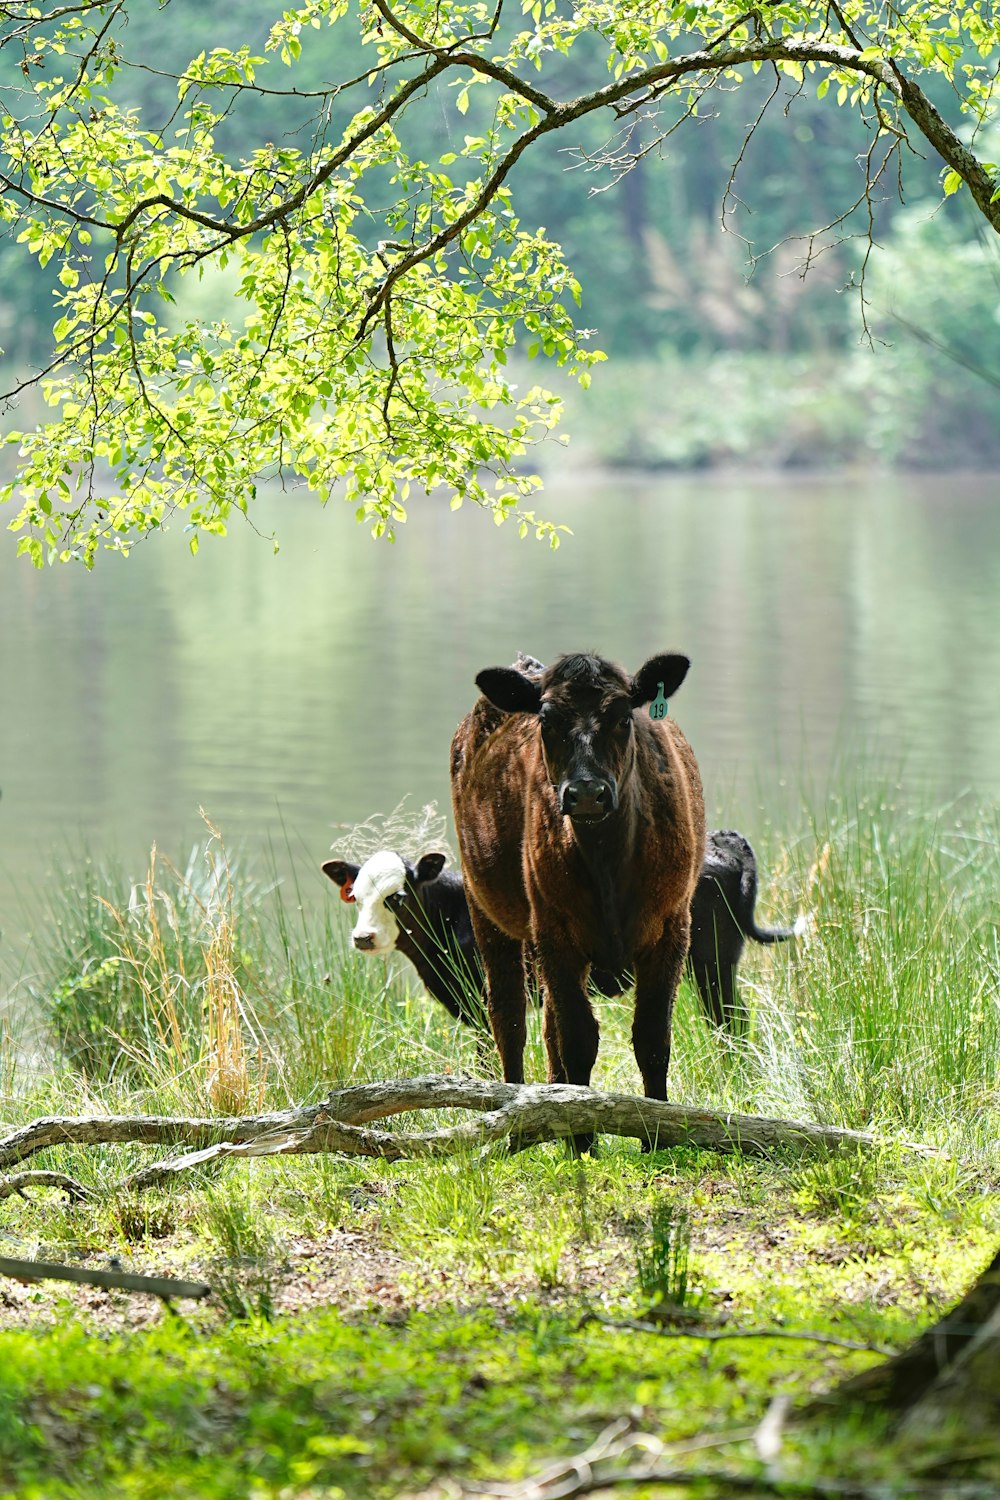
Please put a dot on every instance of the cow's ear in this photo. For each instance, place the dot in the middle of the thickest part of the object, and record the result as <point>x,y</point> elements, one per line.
<point>668,669</point>
<point>343,875</point>
<point>510,690</point>
<point>429,867</point>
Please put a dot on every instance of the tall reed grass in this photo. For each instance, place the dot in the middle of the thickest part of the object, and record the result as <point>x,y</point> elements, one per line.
<point>887,1015</point>
<point>209,988</point>
<point>206,987</point>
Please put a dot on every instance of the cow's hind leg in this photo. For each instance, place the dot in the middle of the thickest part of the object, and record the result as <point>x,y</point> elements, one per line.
<point>657,975</point>
<point>714,973</point>
<point>705,974</point>
<point>506,1001</point>
<point>736,1017</point>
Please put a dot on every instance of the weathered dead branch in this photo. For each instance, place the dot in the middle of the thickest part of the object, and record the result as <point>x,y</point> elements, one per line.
<point>167,1287</point>
<point>622,1457</point>
<point>18,1181</point>
<point>520,1115</point>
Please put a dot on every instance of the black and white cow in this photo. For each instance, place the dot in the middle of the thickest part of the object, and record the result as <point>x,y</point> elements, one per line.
<point>420,910</point>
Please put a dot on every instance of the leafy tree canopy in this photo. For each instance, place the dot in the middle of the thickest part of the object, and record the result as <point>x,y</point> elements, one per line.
<point>380,282</point>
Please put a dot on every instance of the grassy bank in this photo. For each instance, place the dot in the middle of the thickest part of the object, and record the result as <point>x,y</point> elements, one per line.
<point>881,408</point>
<point>390,1329</point>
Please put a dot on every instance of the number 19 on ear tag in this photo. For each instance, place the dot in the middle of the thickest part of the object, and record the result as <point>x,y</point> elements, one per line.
<point>658,707</point>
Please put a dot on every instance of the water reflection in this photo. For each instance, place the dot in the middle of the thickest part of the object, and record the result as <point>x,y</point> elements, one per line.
<point>288,694</point>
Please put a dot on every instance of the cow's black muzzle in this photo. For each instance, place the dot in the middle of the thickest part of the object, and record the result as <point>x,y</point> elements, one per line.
<point>588,799</point>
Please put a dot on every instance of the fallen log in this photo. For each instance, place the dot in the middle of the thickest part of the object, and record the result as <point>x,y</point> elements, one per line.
<point>518,1114</point>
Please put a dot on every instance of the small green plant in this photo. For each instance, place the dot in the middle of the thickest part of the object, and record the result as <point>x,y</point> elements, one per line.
<point>243,1273</point>
<point>234,1223</point>
<point>546,1261</point>
<point>663,1258</point>
<point>144,1217</point>
<point>245,1292</point>
<point>841,1185</point>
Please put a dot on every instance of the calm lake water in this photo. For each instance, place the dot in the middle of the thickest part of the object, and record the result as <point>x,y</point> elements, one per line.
<point>830,621</point>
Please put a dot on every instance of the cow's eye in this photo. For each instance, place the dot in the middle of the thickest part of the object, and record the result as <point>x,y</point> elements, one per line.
<point>395,901</point>
<point>622,719</point>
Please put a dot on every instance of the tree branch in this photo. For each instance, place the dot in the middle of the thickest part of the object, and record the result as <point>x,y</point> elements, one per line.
<point>18,1181</point>
<point>650,81</point>
<point>127,1281</point>
<point>519,1114</point>
<point>718,1335</point>
<point>653,81</point>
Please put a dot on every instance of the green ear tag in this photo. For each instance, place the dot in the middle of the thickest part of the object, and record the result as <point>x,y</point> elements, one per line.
<point>658,707</point>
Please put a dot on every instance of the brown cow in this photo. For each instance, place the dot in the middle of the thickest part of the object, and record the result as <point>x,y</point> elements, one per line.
<point>582,827</point>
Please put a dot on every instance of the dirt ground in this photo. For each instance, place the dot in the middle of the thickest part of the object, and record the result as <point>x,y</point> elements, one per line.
<point>347,1269</point>
<point>353,1270</point>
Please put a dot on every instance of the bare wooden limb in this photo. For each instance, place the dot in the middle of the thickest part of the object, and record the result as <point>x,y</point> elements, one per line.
<point>151,1130</point>
<point>577,1479</point>
<point>576,1475</point>
<point>18,1181</point>
<point>769,1436</point>
<point>622,1457</point>
<point>166,1287</point>
<point>519,1115</point>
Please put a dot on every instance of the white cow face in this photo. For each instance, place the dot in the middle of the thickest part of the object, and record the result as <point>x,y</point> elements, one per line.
<point>388,894</point>
<point>372,889</point>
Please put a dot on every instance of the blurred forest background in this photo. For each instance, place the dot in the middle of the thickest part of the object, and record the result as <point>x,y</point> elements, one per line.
<point>723,351</point>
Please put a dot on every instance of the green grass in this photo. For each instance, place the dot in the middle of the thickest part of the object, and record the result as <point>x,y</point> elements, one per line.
<point>347,1406</point>
<point>379,1328</point>
<point>487,1359</point>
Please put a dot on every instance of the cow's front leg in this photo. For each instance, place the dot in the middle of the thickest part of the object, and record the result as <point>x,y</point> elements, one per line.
<point>506,1001</point>
<point>657,975</point>
<point>568,1021</point>
<point>569,1025</point>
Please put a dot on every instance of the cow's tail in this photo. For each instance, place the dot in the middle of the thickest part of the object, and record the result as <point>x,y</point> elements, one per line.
<point>766,935</point>
<point>778,934</point>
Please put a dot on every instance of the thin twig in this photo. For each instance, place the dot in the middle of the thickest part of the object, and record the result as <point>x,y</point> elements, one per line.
<point>713,1335</point>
